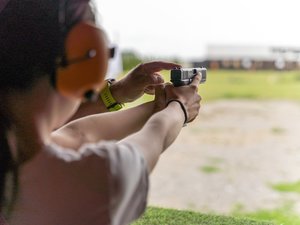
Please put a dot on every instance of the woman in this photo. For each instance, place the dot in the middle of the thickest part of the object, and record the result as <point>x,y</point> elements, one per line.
<point>93,170</point>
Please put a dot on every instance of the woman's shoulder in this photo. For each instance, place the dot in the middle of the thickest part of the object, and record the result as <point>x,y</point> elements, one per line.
<point>114,154</point>
<point>107,168</point>
<point>88,150</point>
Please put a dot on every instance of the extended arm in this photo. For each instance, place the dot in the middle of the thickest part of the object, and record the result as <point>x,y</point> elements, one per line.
<point>158,133</point>
<point>163,127</point>
<point>104,126</point>
<point>151,134</point>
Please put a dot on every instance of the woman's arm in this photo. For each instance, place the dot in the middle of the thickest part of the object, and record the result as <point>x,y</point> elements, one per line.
<point>104,126</point>
<point>158,133</point>
<point>183,105</point>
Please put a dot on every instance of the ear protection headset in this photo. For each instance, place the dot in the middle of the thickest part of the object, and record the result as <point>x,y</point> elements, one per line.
<point>82,68</point>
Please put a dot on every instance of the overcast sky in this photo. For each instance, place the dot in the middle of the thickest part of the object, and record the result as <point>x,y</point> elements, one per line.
<point>184,28</point>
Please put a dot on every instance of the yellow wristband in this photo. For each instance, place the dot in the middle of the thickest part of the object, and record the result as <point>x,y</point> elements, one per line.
<point>108,100</point>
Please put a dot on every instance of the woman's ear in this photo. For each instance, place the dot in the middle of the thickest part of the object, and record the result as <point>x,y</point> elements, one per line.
<point>85,62</point>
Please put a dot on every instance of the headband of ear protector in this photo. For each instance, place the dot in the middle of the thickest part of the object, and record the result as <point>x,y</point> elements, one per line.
<point>82,69</point>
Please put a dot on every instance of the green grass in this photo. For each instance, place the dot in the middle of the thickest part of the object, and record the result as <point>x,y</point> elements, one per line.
<point>225,84</point>
<point>277,130</point>
<point>251,85</point>
<point>159,216</point>
<point>210,169</point>
<point>287,187</point>
<point>214,167</point>
<point>280,216</point>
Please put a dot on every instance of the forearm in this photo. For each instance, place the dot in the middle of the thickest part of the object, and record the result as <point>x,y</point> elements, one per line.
<point>107,126</point>
<point>89,108</point>
<point>158,134</point>
<point>120,124</point>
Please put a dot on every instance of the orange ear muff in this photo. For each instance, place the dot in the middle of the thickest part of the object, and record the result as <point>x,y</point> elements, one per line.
<point>86,60</point>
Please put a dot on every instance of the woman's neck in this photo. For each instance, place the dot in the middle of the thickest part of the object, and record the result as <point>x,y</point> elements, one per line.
<point>24,141</point>
<point>26,112</point>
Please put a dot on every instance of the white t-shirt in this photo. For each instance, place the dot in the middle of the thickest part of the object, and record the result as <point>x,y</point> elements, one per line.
<point>103,183</point>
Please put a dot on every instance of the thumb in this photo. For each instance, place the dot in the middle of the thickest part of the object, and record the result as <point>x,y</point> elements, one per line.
<point>160,91</point>
<point>168,89</point>
<point>160,96</point>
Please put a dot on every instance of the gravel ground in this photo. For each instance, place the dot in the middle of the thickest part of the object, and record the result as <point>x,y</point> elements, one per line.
<point>229,157</point>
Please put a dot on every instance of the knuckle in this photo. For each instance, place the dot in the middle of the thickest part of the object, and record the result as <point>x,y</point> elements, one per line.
<point>142,68</point>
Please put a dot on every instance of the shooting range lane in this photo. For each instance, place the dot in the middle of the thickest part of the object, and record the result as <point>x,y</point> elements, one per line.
<point>230,156</point>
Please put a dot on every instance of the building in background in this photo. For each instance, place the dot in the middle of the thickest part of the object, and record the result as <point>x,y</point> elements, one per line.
<point>250,58</point>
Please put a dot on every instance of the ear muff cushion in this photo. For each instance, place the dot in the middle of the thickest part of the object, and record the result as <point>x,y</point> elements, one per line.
<point>88,74</point>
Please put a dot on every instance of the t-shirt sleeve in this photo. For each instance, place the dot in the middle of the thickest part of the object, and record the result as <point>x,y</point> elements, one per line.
<point>129,183</point>
<point>120,167</point>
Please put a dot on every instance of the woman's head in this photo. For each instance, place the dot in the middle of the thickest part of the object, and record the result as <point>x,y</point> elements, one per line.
<point>32,48</point>
<point>33,38</point>
<point>28,43</point>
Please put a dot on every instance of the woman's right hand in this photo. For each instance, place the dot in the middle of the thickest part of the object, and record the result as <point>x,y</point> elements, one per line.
<point>187,95</point>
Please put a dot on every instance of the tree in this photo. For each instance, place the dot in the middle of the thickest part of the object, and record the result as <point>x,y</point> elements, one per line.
<point>130,59</point>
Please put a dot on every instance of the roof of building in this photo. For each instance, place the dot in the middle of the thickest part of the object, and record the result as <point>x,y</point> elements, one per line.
<point>232,52</point>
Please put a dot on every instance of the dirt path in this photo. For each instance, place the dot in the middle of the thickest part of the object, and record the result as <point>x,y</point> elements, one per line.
<point>230,156</point>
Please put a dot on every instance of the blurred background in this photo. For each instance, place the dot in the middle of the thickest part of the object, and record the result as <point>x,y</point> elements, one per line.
<point>241,156</point>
